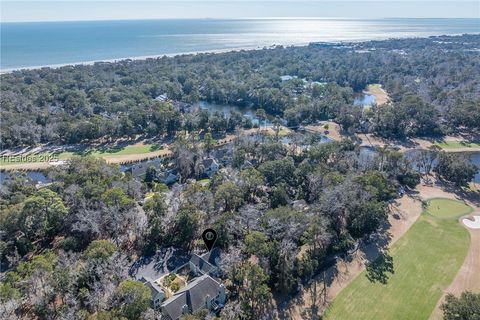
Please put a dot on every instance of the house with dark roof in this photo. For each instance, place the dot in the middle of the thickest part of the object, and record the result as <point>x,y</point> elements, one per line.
<point>140,169</point>
<point>203,292</point>
<point>158,294</point>
<point>210,166</point>
<point>169,177</point>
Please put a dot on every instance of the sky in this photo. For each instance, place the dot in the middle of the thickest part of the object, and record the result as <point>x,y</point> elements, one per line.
<point>72,10</point>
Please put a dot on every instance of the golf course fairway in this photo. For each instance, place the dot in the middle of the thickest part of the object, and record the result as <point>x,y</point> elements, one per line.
<point>425,261</point>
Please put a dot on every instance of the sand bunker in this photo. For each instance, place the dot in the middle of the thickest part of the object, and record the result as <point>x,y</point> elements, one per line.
<point>475,224</point>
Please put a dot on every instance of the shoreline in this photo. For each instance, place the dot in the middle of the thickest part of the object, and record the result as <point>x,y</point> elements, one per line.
<point>216,51</point>
<point>139,58</point>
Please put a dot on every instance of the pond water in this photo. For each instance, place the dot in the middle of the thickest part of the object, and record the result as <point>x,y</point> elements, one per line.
<point>365,100</point>
<point>369,152</point>
<point>36,176</point>
<point>287,140</point>
<point>475,158</point>
<point>227,109</point>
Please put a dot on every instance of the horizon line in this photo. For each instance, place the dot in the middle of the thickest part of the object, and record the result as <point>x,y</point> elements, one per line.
<point>243,18</point>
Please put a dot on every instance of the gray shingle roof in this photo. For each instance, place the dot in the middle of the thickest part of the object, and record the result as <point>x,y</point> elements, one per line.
<point>173,307</point>
<point>201,263</point>
<point>194,295</point>
<point>154,287</point>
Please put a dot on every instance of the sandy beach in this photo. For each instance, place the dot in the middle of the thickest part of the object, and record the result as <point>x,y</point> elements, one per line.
<point>135,58</point>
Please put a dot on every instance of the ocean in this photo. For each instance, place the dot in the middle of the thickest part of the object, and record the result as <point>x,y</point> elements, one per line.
<point>33,44</point>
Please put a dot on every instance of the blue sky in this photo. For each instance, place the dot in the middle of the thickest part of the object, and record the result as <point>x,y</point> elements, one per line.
<point>61,10</point>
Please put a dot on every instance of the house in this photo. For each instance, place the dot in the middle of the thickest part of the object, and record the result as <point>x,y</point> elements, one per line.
<point>162,98</point>
<point>158,294</point>
<point>203,292</point>
<point>169,176</point>
<point>287,78</point>
<point>210,166</point>
<point>139,170</point>
<point>205,264</point>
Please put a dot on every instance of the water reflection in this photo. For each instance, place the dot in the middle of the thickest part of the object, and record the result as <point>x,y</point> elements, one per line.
<point>369,153</point>
<point>365,100</point>
<point>35,176</point>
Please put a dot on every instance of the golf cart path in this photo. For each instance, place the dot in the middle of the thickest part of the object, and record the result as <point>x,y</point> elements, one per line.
<point>406,211</point>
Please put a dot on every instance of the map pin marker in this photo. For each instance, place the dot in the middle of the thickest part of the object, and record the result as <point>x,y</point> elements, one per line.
<point>209,237</point>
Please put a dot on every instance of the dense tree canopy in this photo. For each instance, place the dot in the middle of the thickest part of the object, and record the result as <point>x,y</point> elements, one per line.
<point>433,84</point>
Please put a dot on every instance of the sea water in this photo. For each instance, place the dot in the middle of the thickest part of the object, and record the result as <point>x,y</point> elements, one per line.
<point>30,44</point>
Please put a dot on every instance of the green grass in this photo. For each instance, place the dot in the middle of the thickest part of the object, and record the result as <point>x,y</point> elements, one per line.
<point>453,144</point>
<point>446,208</point>
<point>426,260</point>
<point>128,150</point>
<point>95,152</point>
<point>374,86</point>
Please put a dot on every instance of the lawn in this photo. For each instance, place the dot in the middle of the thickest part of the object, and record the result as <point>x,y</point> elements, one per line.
<point>95,152</point>
<point>425,261</point>
<point>446,208</point>
<point>111,152</point>
<point>454,144</point>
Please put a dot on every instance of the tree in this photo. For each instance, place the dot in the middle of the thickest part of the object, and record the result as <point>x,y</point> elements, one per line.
<point>150,174</point>
<point>9,299</point>
<point>256,243</point>
<point>42,215</point>
<point>155,206</point>
<point>254,291</point>
<point>186,227</point>
<point>116,197</point>
<point>367,218</point>
<point>100,249</point>
<point>261,115</point>
<point>228,196</point>
<point>378,185</point>
<point>278,171</point>
<point>208,142</point>
<point>132,298</point>
<point>251,181</point>
<point>466,307</point>
<point>278,196</point>
<point>455,168</point>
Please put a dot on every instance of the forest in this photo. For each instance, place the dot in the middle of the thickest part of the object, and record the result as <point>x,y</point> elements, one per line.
<point>281,217</point>
<point>283,212</point>
<point>433,84</point>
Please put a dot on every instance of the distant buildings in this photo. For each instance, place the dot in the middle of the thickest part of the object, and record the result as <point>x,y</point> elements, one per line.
<point>139,170</point>
<point>287,78</point>
<point>162,98</point>
<point>169,176</point>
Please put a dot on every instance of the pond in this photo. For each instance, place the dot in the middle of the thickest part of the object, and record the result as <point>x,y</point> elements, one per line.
<point>412,154</point>
<point>227,109</point>
<point>365,100</point>
<point>475,158</point>
<point>35,176</point>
